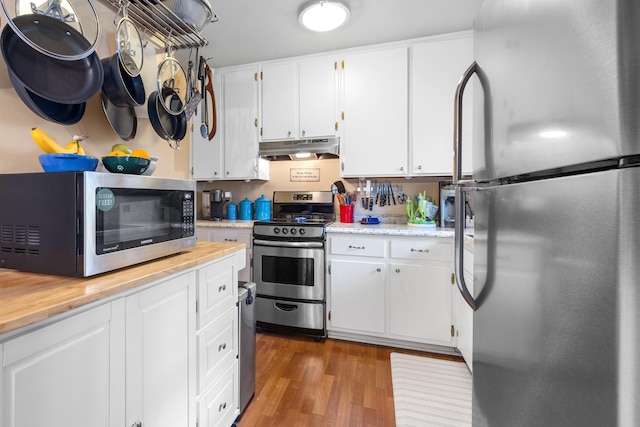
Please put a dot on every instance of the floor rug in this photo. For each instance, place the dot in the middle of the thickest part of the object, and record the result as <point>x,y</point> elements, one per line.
<point>430,392</point>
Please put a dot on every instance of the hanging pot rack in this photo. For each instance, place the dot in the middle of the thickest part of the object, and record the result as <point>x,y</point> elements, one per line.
<point>161,24</point>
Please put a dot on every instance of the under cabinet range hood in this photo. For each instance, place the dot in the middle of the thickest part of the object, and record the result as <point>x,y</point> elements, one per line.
<point>302,149</point>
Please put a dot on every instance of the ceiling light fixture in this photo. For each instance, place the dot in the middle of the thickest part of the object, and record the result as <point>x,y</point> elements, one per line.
<point>324,16</point>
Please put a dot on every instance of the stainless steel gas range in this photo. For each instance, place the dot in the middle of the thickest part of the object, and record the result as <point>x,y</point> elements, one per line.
<point>289,263</point>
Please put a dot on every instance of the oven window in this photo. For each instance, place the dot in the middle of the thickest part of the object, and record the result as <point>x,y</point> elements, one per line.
<point>288,270</point>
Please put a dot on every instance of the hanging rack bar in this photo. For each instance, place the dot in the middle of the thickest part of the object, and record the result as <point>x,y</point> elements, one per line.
<point>158,21</point>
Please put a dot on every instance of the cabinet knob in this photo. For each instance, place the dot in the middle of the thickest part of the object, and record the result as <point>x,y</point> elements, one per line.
<point>227,172</point>
<point>136,424</point>
<point>222,346</point>
<point>397,270</point>
<point>289,133</point>
<point>222,288</point>
<point>419,167</point>
<point>378,269</point>
<point>222,406</point>
<point>303,133</point>
<point>401,168</point>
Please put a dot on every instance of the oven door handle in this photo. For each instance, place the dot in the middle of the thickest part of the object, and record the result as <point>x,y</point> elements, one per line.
<point>285,307</point>
<point>283,244</point>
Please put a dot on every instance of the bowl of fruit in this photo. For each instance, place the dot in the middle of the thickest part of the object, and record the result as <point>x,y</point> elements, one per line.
<point>122,159</point>
<point>56,158</point>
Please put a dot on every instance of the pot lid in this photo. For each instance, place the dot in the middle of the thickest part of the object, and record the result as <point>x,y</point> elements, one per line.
<point>129,47</point>
<point>78,17</point>
<point>172,84</point>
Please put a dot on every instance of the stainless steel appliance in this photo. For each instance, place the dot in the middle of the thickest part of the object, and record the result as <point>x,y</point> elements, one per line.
<point>289,263</point>
<point>86,223</point>
<point>447,208</point>
<point>217,201</point>
<point>555,163</point>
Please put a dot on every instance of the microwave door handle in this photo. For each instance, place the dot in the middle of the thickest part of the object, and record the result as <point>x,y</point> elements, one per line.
<point>459,248</point>
<point>457,122</point>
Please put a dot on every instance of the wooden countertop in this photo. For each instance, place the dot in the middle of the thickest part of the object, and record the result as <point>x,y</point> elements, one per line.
<point>26,298</point>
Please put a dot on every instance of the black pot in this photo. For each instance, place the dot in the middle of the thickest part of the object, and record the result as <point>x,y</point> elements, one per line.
<point>57,80</point>
<point>63,114</point>
<point>122,89</point>
<point>166,125</point>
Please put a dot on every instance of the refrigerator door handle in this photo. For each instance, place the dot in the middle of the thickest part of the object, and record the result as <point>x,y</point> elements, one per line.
<point>459,247</point>
<point>457,122</point>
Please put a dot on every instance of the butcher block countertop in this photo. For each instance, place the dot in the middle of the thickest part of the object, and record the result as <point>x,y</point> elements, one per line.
<point>26,298</point>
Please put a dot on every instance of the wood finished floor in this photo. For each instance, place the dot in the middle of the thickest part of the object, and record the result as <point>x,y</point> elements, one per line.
<point>300,382</point>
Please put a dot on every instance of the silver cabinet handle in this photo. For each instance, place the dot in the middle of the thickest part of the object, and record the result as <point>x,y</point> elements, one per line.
<point>222,288</point>
<point>356,247</point>
<point>426,251</point>
<point>397,270</point>
<point>222,406</point>
<point>230,240</point>
<point>222,346</point>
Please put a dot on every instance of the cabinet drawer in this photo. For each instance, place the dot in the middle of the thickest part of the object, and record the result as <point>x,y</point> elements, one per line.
<point>358,246</point>
<point>219,406</point>
<point>217,291</point>
<point>217,349</point>
<point>232,235</point>
<point>428,249</point>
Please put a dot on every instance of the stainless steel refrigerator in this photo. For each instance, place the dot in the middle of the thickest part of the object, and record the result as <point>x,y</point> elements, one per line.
<point>556,186</point>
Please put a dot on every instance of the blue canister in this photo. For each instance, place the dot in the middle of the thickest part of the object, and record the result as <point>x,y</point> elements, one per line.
<point>232,211</point>
<point>263,209</point>
<point>246,209</point>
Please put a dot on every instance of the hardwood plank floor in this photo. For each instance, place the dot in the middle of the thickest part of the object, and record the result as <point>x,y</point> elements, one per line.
<point>300,382</point>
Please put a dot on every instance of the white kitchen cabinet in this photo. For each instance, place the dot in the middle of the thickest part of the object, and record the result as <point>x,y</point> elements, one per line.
<point>240,129</point>
<point>207,157</point>
<point>231,234</point>
<point>138,358</point>
<point>464,314</point>
<point>357,295</point>
<point>68,374</point>
<point>390,287</point>
<point>161,358</point>
<point>437,66</point>
<point>376,118</point>
<point>299,99</point>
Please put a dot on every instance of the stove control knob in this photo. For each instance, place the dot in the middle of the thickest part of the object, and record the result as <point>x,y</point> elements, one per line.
<point>294,231</point>
<point>285,231</point>
<point>302,231</point>
<point>276,230</point>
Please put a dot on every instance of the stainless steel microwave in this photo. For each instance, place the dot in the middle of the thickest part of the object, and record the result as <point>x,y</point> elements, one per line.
<point>86,223</point>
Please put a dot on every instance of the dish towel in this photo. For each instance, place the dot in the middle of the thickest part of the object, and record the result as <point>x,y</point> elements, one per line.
<point>430,392</point>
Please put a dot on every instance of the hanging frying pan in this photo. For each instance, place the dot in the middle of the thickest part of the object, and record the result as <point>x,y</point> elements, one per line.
<point>57,80</point>
<point>122,119</point>
<point>63,114</point>
<point>162,122</point>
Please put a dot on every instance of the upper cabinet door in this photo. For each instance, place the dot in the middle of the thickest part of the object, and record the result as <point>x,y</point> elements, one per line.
<point>375,134</point>
<point>318,98</point>
<point>240,123</point>
<point>437,67</point>
<point>279,101</point>
<point>207,157</point>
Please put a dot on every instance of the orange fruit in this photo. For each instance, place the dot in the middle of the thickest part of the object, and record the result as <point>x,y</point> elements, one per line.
<point>139,152</point>
<point>117,153</point>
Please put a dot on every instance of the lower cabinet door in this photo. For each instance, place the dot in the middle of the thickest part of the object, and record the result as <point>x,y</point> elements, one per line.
<point>68,374</point>
<point>218,406</point>
<point>358,296</point>
<point>160,364</point>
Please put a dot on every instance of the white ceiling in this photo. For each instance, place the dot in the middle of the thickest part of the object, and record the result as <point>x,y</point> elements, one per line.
<point>258,30</point>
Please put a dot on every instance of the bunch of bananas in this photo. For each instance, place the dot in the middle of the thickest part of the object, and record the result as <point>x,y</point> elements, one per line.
<point>49,145</point>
